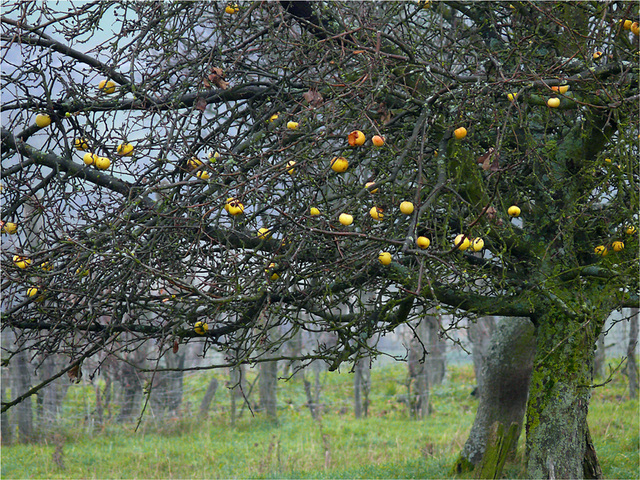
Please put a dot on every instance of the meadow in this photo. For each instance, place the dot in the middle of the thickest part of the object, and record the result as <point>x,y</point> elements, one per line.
<point>386,444</point>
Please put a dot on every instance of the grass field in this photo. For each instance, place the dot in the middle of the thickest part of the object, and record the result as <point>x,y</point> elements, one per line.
<point>387,444</point>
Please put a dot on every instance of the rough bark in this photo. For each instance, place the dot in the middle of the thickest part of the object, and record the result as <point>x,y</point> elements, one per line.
<point>632,365</point>
<point>480,333</point>
<point>507,372</point>
<point>560,390</point>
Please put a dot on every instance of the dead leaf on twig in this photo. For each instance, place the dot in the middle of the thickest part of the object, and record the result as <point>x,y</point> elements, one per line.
<point>313,97</point>
<point>216,78</point>
<point>201,104</point>
<point>75,374</point>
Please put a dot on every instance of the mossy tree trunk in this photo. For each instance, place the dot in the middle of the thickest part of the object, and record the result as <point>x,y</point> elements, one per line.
<point>557,432</point>
<point>506,373</point>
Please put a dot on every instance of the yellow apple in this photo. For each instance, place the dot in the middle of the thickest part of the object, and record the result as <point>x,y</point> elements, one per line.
<point>376,213</point>
<point>601,250</point>
<point>201,328</point>
<point>269,271</point>
<point>460,133</point>
<point>561,89</point>
<point>339,164</point>
<point>46,266</point>
<point>597,55</point>
<point>43,120</point>
<point>314,212</point>
<point>89,158</point>
<point>264,233</point>
<point>626,24</point>
<point>345,219</point>
<point>293,125</point>
<point>203,175</point>
<point>236,208</point>
<point>9,227</point>
<point>21,261</point>
<point>273,117</point>
<point>406,208</point>
<point>81,144</point>
<point>423,242</point>
<point>462,242</point>
<point>102,163</point>
<point>125,149</point>
<point>107,86</point>
<point>356,138</point>
<point>512,96</point>
<point>377,141</point>
<point>514,211</point>
<point>32,292</point>
<point>290,169</point>
<point>607,160</point>
<point>630,230</point>
<point>194,163</point>
<point>617,246</point>
<point>477,244</point>
<point>232,9</point>
<point>227,203</point>
<point>369,184</point>
<point>553,102</point>
<point>213,156</point>
<point>384,258</point>
<point>635,28</point>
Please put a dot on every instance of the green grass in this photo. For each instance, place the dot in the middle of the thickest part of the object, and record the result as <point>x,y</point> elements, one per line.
<point>387,444</point>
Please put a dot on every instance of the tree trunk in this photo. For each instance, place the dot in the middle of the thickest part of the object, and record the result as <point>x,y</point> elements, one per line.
<point>362,386</point>
<point>557,432</point>
<point>436,361</point>
<point>600,359</point>
<point>237,386</point>
<point>50,397</point>
<point>22,383</point>
<point>632,365</point>
<point>506,374</point>
<point>419,374</point>
<point>480,333</point>
<point>208,397</point>
<point>267,385</point>
<point>5,421</point>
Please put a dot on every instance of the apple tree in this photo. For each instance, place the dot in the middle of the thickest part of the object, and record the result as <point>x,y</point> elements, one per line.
<point>176,172</point>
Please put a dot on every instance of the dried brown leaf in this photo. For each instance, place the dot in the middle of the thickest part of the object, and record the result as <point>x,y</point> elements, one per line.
<point>313,97</point>
<point>216,77</point>
<point>201,104</point>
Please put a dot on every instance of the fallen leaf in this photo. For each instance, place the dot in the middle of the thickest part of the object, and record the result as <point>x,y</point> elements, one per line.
<point>175,346</point>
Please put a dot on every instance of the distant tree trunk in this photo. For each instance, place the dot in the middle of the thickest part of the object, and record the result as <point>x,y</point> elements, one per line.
<point>267,385</point>
<point>419,375</point>
<point>632,365</point>
<point>167,389</point>
<point>5,420</point>
<point>558,440</point>
<point>600,358</point>
<point>506,373</point>
<point>362,387</point>
<point>50,398</point>
<point>436,361</point>
<point>480,333</point>
<point>21,377</point>
<point>313,398</point>
<point>208,397</point>
<point>131,392</point>
<point>237,386</point>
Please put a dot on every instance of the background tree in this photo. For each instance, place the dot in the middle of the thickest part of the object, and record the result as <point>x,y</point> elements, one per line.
<point>139,248</point>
